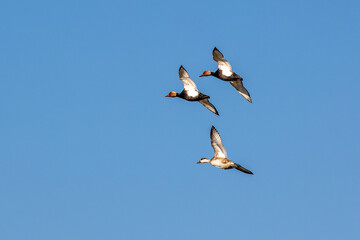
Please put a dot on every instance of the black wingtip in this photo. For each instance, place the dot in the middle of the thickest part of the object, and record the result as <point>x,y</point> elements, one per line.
<point>246,171</point>
<point>242,169</point>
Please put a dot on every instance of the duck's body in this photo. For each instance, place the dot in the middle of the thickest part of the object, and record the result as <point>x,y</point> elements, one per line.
<point>185,95</point>
<point>225,163</point>
<point>191,93</point>
<point>220,159</point>
<point>219,74</point>
<point>222,163</point>
<point>225,73</point>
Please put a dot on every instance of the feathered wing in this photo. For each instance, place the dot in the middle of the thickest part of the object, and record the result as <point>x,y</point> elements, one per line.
<point>189,84</point>
<point>240,168</point>
<point>217,144</point>
<point>223,65</point>
<point>238,85</point>
<point>208,105</point>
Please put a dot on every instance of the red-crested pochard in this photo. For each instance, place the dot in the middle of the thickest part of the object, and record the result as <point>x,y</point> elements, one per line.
<point>190,92</point>
<point>225,73</point>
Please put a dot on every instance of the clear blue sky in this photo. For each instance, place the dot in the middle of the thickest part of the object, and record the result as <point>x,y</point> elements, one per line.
<point>91,148</point>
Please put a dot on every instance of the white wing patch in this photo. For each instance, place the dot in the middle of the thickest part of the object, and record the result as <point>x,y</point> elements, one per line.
<point>223,65</point>
<point>189,84</point>
<point>225,68</point>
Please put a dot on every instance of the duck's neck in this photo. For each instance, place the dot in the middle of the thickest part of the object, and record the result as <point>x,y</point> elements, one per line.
<point>215,74</point>
<point>204,160</point>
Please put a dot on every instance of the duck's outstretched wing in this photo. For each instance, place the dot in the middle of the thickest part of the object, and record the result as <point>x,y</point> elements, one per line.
<point>189,84</point>
<point>223,65</point>
<point>240,168</point>
<point>238,85</point>
<point>208,105</point>
<point>217,144</point>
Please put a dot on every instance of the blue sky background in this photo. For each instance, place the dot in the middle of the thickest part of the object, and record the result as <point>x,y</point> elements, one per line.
<point>91,148</point>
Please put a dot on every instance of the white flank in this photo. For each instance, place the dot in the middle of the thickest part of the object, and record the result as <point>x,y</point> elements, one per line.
<point>192,92</point>
<point>225,69</point>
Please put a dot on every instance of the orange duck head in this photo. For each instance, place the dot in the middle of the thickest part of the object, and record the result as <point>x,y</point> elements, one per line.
<point>171,94</point>
<point>206,73</point>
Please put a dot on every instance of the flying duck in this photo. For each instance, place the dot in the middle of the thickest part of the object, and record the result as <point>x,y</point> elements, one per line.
<point>220,159</point>
<point>190,92</point>
<point>225,73</point>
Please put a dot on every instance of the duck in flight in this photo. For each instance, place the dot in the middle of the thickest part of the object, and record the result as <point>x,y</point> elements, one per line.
<point>190,92</point>
<point>225,73</point>
<point>220,159</point>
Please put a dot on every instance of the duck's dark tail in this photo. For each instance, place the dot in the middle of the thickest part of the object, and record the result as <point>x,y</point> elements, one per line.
<point>240,168</point>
